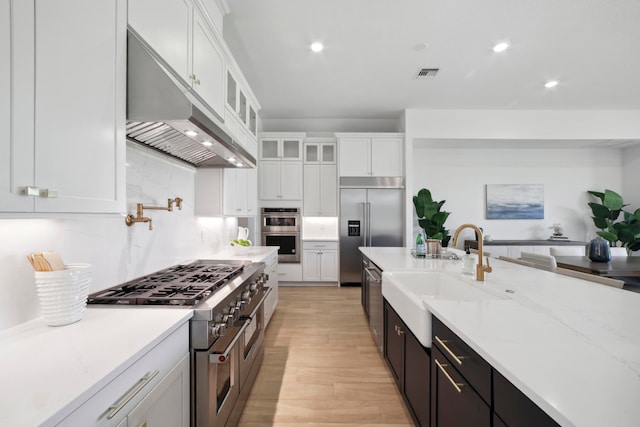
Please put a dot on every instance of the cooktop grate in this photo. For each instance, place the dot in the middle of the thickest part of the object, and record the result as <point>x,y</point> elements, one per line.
<point>178,285</point>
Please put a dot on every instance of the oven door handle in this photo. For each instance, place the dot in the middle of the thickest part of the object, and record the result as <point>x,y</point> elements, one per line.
<point>223,356</point>
<point>267,290</point>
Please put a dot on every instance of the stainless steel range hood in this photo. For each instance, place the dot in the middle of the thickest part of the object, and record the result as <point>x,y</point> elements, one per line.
<point>164,114</point>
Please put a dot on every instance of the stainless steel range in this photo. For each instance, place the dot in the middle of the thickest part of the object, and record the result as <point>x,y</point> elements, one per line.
<point>226,331</point>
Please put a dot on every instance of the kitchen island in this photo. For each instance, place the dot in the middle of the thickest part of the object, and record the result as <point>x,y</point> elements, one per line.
<point>569,346</point>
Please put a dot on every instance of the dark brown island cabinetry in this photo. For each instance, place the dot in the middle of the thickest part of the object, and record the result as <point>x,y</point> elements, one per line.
<point>467,391</point>
<point>409,362</point>
<point>513,408</point>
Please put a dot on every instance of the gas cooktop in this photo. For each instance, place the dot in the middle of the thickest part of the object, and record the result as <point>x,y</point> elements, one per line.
<point>185,284</point>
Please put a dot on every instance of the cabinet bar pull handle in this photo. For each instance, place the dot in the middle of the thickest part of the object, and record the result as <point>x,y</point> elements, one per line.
<point>142,382</point>
<point>30,191</point>
<point>456,358</point>
<point>374,278</point>
<point>446,374</point>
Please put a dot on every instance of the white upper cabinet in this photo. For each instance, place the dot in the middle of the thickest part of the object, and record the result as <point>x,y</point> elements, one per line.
<point>209,192</point>
<point>320,193</point>
<point>208,66</point>
<point>178,33</point>
<point>240,192</point>
<point>281,148</point>
<point>241,116</point>
<point>280,180</point>
<point>280,167</point>
<point>386,156</point>
<point>67,151</point>
<point>371,154</point>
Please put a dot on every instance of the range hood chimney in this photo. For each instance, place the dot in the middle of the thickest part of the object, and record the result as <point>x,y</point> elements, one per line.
<point>165,114</point>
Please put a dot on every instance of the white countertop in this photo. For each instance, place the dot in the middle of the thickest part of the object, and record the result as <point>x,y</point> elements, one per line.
<point>255,254</point>
<point>571,346</point>
<point>47,372</point>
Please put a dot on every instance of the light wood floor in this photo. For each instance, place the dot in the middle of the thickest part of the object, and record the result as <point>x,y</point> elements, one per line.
<point>321,367</point>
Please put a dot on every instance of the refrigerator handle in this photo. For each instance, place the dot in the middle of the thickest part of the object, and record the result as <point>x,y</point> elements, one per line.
<point>365,226</point>
<point>368,221</point>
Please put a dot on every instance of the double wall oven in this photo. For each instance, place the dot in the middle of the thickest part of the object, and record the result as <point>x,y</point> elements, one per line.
<point>226,330</point>
<point>281,227</point>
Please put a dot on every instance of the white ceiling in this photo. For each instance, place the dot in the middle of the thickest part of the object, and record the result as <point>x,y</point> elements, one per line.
<point>369,65</point>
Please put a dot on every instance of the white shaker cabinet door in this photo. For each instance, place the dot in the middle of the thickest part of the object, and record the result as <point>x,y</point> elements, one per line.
<point>252,191</point>
<point>311,195</point>
<point>355,156</point>
<point>291,180</point>
<point>16,105</point>
<point>329,271</point>
<point>269,183</point>
<point>166,29</point>
<point>167,405</point>
<point>208,67</point>
<point>386,157</point>
<point>328,190</point>
<point>80,72</point>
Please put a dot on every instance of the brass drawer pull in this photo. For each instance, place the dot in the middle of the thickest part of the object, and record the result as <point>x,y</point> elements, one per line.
<point>458,359</point>
<point>453,383</point>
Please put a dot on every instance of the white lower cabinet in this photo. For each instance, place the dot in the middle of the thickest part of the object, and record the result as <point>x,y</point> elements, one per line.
<point>167,405</point>
<point>319,261</point>
<point>159,381</point>
<point>271,269</point>
<point>289,272</point>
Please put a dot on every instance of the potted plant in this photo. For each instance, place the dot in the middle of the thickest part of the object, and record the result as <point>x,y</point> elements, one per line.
<point>430,216</point>
<point>606,215</point>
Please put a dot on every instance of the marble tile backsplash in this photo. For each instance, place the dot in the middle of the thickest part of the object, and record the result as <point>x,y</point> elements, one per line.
<point>116,252</point>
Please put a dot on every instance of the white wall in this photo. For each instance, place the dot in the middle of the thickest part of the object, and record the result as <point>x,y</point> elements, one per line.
<point>116,252</point>
<point>631,177</point>
<point>460,176</point>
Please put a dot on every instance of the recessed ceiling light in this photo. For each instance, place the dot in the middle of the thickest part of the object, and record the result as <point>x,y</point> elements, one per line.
<point>232,159</point>
<point>190,133</point>
<point>317,47</point>
<point>551,83</point>
<point>207,143</point>
<point>501,47</point>
<point>239,165</point>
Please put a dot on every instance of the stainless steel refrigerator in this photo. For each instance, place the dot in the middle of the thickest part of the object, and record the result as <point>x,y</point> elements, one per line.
<point>371,214</point>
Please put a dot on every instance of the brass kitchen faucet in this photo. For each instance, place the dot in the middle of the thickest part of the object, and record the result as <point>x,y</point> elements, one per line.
<point>130,219</point>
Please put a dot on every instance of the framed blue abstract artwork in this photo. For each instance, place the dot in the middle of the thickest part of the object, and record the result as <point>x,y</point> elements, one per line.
<point>515,201</point>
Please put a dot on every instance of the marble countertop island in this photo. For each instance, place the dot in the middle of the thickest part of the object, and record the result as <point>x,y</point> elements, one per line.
<point>571,346</point>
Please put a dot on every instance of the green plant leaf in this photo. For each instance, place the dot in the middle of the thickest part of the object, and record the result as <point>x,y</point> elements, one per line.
<point>600,223</point>
<point>625,235</point>
<point>607,235</point>
<point>600,211</point>
<point>598,194</point>
<point>612,200</point>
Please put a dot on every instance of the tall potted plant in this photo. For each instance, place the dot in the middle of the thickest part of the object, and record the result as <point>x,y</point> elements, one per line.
<point>606,216</point>
<point>431,217</point>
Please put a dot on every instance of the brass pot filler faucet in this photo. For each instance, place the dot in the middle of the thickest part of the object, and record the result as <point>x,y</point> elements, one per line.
<point>130,219</point>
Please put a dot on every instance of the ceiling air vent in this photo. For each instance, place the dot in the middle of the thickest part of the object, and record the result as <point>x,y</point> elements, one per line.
<point>427,73</point>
